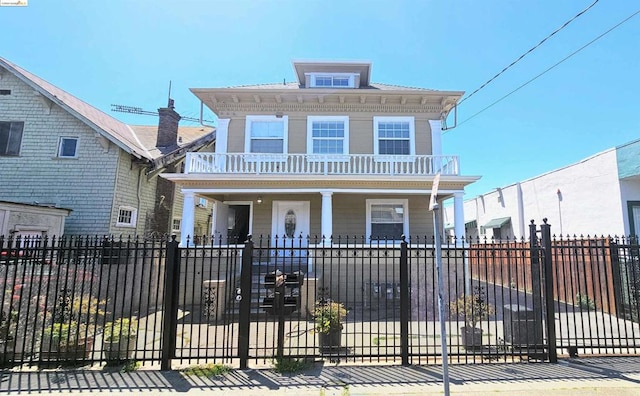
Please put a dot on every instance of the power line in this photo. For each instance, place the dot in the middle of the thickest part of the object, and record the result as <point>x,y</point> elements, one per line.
<point>529,51</point>
<point>552,67</point>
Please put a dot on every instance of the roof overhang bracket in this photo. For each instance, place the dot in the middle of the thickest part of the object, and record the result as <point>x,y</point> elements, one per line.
<point>46,102</point>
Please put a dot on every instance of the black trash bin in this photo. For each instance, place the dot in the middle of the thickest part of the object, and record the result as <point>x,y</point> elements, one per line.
<point>520,329</point>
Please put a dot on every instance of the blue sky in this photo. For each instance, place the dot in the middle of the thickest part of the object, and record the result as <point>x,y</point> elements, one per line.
<point>127,51</point>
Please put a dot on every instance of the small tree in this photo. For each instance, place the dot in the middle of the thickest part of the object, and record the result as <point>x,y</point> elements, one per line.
<point>472,307</point>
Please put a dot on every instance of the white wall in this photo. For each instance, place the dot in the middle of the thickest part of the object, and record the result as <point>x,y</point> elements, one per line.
<point>588,202</point>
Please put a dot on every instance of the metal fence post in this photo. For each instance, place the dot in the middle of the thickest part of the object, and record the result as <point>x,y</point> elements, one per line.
<point>244,319</point>
<point>548,291</point>
<point>404,302</point>
<point>170,303</point>
<point>536,287</point>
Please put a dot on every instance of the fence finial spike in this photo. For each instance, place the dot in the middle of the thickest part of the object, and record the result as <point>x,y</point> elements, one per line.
<point>544,220</point>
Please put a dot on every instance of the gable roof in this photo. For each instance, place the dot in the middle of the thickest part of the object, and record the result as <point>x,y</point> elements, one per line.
<point>137,141</point>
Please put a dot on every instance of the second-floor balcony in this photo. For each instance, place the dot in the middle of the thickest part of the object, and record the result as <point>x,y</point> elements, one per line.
<point>321,164</point>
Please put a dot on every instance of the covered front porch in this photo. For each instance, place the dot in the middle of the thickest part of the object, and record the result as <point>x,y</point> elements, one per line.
<point>381,213</point>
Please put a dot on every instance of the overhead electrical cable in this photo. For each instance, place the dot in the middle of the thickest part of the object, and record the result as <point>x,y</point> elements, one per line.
<point>548,69</point>
<point>528,52</point>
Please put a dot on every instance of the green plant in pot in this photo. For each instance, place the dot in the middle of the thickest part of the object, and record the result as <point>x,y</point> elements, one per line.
<point>472,308</point>
<point>120,338</point>
<point>328,316</point>
<point>71,333</point>
<point>67,341</point>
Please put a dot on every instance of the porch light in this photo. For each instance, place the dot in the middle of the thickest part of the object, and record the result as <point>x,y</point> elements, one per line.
<point>259,200</point>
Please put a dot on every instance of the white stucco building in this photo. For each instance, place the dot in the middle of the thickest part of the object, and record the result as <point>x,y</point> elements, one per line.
<point>599,195</point>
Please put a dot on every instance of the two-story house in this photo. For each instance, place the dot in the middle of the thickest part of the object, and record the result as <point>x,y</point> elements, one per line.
<point>57,151</point>
<point>330,154</point>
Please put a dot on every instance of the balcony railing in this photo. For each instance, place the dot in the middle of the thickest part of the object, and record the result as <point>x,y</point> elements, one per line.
<point>321,164</point>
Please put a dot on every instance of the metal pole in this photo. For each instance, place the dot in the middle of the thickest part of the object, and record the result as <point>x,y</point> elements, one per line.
<point>443,329</point>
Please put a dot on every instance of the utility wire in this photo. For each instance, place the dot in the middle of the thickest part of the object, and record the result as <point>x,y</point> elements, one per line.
<point>528,52</point>
<point>556,64</point>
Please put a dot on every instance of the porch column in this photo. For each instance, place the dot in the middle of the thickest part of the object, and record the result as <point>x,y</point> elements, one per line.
<point>188,217</point>
<point>458,214</point>
<point>326,220</point>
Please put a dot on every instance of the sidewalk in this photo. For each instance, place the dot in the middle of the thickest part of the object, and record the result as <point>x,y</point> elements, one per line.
<point>584,377</point>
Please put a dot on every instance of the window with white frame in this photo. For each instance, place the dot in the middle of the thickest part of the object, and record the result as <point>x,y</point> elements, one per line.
<point>394,135</point>
<point>328,134</point>
<point>68,147</point>
<point>127,216</point>
<point>175,224</point>
<point>387,218</point>
<point>332,80</point>
<point>266,134</point>
<point>10,138</point>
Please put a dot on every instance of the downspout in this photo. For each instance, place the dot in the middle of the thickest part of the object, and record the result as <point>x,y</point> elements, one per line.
<point>202,116</point>
<point>138,195</point>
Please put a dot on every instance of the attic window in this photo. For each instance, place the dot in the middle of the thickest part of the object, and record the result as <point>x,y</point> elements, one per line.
<point>332,80</point>
<point>5,92</point>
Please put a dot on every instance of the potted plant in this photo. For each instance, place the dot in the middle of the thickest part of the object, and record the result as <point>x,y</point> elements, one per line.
<point>328,316</point>
<point>67,341</point>
<point>8,328</point>
<point>120,338</point>
<point>472,308</point>
<point>71,333</point>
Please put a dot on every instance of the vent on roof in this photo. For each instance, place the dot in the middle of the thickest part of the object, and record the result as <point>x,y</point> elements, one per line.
<point>5,92</point>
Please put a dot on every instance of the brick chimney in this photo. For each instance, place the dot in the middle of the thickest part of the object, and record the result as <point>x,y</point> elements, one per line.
<point>167,126</point>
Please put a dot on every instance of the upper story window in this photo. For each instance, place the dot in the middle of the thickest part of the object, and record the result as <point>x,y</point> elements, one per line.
<point>332,80</point>
<point>68,147</point>
<point>328,134</point>
<point>394,135</point>
<point>10,137</point>
<point>266,134</point>
<point>127,216</point>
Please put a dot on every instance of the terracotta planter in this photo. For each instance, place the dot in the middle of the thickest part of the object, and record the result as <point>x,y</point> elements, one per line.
<point>330,340</point>
<point>471,337</point>
<point>122,349</point>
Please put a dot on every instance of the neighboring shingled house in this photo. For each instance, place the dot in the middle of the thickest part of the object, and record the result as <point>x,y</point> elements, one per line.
<point>60,151</point>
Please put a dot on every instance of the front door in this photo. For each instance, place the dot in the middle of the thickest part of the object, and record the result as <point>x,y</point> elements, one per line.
<point>290,223</point>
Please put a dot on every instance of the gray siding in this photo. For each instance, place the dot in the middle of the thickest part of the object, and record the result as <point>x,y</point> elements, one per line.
<point>84,184</point>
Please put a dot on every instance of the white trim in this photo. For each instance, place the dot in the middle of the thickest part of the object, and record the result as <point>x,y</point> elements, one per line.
<point>134,216</point>
<point>312,119</point>
<point>436,137</point>
<point>75,153</point>
<point>405,215</point>
<point>252,118</point>
<point>173,229</point>
<point>412,132</point>
<point>313,76</point>
<point>222,133</point>
<point>313,190</point>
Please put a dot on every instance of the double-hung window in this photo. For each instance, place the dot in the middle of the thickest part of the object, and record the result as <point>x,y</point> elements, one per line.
<point>387,218</point>
<point>394,135</point>
<point>328,135</point>
<point>10,138</point>
<point>68,147</point>
<point>127,216</point>
<point>266,134</point>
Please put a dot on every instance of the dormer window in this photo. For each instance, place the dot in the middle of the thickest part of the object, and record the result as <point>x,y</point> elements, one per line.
<point>332,80</point>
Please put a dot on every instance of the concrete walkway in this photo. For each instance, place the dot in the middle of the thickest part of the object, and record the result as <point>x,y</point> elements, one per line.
<point>581,376</point>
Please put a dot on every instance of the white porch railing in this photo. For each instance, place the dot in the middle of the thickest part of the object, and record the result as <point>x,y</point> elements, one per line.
<point>321,164</point>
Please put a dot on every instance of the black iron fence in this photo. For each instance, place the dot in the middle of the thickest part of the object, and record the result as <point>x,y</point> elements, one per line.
<point>97,300</point>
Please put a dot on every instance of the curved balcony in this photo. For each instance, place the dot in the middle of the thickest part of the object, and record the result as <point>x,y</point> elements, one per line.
<point>321,164</point>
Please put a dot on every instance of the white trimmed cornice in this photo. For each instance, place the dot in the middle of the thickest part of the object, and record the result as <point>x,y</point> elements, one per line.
<point>224,109</point>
